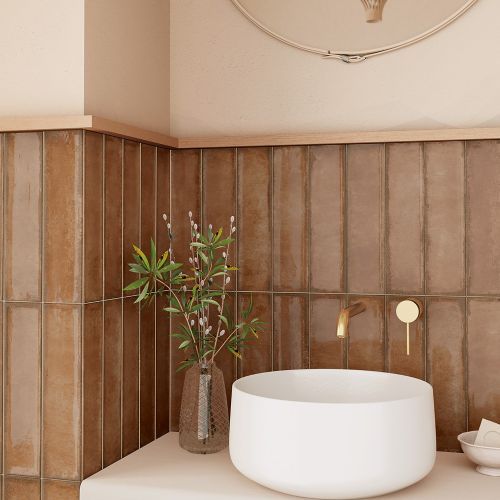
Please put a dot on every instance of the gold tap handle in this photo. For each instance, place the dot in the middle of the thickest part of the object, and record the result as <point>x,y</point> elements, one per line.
<point>407,339</point>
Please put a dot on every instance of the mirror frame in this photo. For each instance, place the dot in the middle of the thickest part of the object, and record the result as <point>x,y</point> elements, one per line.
<point>354,56</point>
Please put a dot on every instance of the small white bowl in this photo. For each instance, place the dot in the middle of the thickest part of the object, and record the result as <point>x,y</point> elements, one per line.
<point>486,457</point>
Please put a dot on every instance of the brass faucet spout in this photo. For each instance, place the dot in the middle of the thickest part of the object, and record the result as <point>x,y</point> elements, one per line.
<point>345,314</point>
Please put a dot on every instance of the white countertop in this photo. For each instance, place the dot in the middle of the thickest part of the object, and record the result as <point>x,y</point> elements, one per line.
<point>164,471</point>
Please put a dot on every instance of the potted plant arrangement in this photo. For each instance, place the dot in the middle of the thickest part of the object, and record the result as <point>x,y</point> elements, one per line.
<point>196,293</point>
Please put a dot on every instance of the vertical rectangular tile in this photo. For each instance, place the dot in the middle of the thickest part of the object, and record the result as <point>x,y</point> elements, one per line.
<point>112,381</point>
<point>254,218</point>
<point>365,217</point>
<point>60,490</point>
<point>483,318</point>
<point>327,351</point>
<point>113,217</point>
<point>327,218</point>
<point>397,360</point>
<point>366,349</point>
<point>63,216</point>
<point>483,205</point>
<point>93,217</point>
<point>290,219</point>
<point>404,271</point>
<point>290,332</point>
<point>446,368</point>
<point>445,218</point>
<point>16,488</point>
<point>22,389</point>
<point>92,388</point>
<point>23,210</point>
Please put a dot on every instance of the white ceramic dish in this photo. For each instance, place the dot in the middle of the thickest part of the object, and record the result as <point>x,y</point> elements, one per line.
<point>486,458</point>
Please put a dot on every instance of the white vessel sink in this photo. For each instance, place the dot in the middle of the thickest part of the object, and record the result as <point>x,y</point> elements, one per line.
<point>334,434</point>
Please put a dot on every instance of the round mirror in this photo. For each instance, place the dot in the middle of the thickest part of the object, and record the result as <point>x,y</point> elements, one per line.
<point>351,30</point>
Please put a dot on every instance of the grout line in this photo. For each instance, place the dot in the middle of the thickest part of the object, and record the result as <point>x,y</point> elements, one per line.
<point>308,247</point>
<point>385,255</point>
<point>4,307</point>
<point>121,299</point>
<point>466,284</point>
<point>103,269</point>
<point>155,232</point>
<point>139,308</point>
<point>42,308</point>
<point>272,256</point>
<point>237,362</point>
<point>345,221</point>
<point>424,236</point>
<point>170,357</point>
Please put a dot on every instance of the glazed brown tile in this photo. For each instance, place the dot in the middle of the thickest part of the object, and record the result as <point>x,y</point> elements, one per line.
<point>397,360</point>
<point>113,217</point>
<point>22,389</point>
<point>327,213</point>
<point>327,351</point>
<point>365,217</point>
<point>112,381</point>
<point>63,216</point>
<point>130,418</point>
<point>366,349</point>
<point>147,374</point>
<point>290,219</point>
<point>483,204</point>
<point>93,228</point>
<point>404,218</point>
<point>163,198</point>
<point>445,218</point>
<point>290,332</point>
<point>16,488</point>
<point>23,210</point>
<point>483,348</point>
<point>258,357</point>
<point>131,206</point>
<point>148,189</point>
<point>2,225</point>
<point>61,425</point>
<point>2,384</point>
<point>254,219</point>
<point>60,490</point>
<point>446,368</point>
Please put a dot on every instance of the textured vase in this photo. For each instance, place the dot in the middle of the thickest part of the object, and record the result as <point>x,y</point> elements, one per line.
<point>204,419</point>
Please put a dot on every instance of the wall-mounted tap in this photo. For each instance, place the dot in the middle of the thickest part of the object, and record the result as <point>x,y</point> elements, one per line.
<point>344,315</point>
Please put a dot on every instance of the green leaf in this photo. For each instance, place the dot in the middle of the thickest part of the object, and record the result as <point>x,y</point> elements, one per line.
<point>224,320</point>
<point>198,244</point>
<point>246,312</point>
<point>235,353</point>
<point>136,284</point>
<point>162,260</point>
<point>153,252</point>
<point>209,301</point>
<point>142,255</point>
<point>171,310</point>
<point>184,344</point>
<point>142,294</point>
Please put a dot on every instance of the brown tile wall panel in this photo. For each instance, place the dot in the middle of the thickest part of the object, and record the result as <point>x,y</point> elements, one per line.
<point>365,217</point>
<point>60,490</point>
<point>16,488</point>
<point>254,218</point>
<point>113,217</point>
<point>366,349</point>
<point>22,389</point>
<point>112,381</point>
<point>290,219</point>
<point>483,349</point>
<point>326,218</point>
<point>23,210</point>
<point>62,391</point>
<point>404,218</point>
<point>327,351</point>
<point>63,216</point>
<point>445,218</point>
<point>290,332</point>
<point>93,217</point>
<point>483,206</point>
<point>446,368</point>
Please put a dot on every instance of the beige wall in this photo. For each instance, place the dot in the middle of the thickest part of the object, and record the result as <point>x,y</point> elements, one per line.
<point>228,77</point>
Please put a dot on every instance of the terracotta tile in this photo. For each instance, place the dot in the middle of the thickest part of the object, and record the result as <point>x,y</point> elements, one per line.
<point>404,218</point>
<point>327,351</point>
<point>290,332</point>
<point>483,348</point>
<point>254,219</point>
<point>366,349</point>
<point>22,389</point>
<point>445,217</point>
<point>113,217</point>
<point>23,210</point>
<point>93,207</point>
<point>61,391</point>
<point>397,360</point>
<point>112,381</point>
<point>483,203</point>
<point>259,356</point>
<point>131,206</point>
<point>60,490</point>
<point>16,488</point>
<point>365,217</point>
<point>130,423</point>
<point>147,374</point>
<point>290,219</point>
<point>446,368</point>
<point>63,216</point>
<point>327,213</point>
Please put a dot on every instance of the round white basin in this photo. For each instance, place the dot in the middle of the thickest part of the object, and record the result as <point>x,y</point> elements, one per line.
<point>334,434</point>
